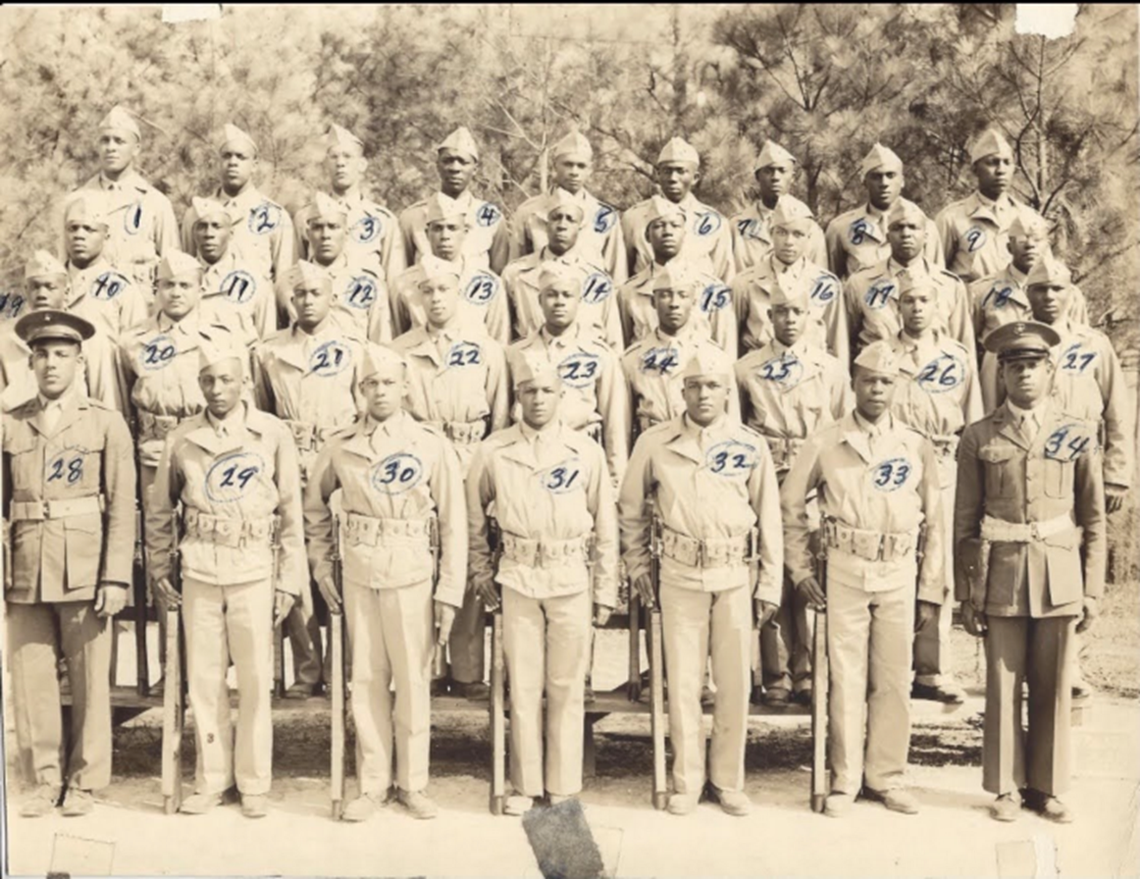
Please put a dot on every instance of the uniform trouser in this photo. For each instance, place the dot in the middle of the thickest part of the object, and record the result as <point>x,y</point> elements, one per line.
<point>690,620</point>
<point>225,623</point>
<point>467,640</point>
<point>869,638</point>
<point>785,642</point>
<point>932,644</point>
<point>547,647</point>
<point>1013,757</point>
<point>390,633</point>
<point>38,635</point>
<point>304,631</point>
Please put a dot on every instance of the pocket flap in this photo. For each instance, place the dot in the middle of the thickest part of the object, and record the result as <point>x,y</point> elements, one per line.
<point>994,454</point>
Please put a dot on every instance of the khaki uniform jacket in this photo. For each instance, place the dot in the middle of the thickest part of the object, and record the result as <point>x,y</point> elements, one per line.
<point>1002,299</point>
<point>713,313</point>
<point>563,495</point>
<point>482,304</point>
<point>601,234</point>
<point>889,491</point>
<point>1007,475</point>
<point>374,238</point>
<point>246,477</point>
<point>593,393</point>
<point>873,303</point>
<point>1088,384</point>
<point>788,394</point>
<point>362,305</point>
<point>236,293</point>
<point>598,310</point>
<point>487,242</point>
<point>262,232</point>
<point>398,470</point>
<point>752,237</point>
<point>141,227</point>
<point>975,234</point>
<point>98,378</point>
<point>108,298</point>
<point>857,240</point>
<point>708,238</point>
<point>752,295</point>
<point>86,454</point>
<point>712,483</point>
<point>652,367</point>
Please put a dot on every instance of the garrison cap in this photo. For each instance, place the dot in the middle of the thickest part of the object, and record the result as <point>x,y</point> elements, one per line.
<point>1028,224</point>
<point>208,207</point>
<point>908,280</point>
<point>555,271</point>
<point>49,324</point>
<point>232,136</point>
<point>443,207</point>
<point>526,369</point>
<point>990,143</point>
<point>879,357</point>
<point>434,268</point>
<point>791,289</point>
<point>904,211</point>
<point>327,208</point>
<point>678,150</point>
<point>575,146</point>
<point>560,198</point>
<point>214,351</point>
<point>336,136</point>
<point>308,274</point>
<point>119,119</point>
<point>460,141</point>
<point>1049,272</point>
<point>880,156</point>
<point>43,265</point>
<point>773,154</point>
<point>706,362</point>
<point>674,275</point>
<point>176,264</point>
<point>87,204</point>
<point>789,210</point>
<point>380,358</point>
<point>1022,340</point>
<point>659,208</point>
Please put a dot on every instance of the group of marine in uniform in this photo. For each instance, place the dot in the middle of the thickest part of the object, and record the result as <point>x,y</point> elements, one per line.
<point>417,418</point>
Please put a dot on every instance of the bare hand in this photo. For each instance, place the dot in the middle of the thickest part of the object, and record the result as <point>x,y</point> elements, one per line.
<point>765,612</point>
<point>927,615</point>
<point>165,594</point>
<point>1114,497</point>
<point>110,599</point>
<point>602,614</point>
<point>973,620</point>
<point>444,620</point>
<point>1090,612</point>
<point>282,603</point>
<point>644,587</point>
<point>487,593</point>
<point>328,591</point>
<point>813,593</point>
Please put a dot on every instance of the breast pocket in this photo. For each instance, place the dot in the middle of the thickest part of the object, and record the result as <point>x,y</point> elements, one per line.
<point>999,464</point>
<point>1058,478</point>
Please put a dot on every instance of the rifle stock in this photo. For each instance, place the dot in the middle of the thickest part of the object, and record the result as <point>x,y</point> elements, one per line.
<point>337,684</point>
<point>657,669</point>
<point>498,690</point>
<point>278,630</point>
<point>173,705</point>
<point>820,781</point>
<point>142,661</point>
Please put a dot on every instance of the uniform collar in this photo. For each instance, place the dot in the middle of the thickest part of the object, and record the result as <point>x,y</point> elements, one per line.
<point>130,179</point>
<point>568,339</point>
<point>190,325</point>
<point>232,423</point>
<point>918,267</point>
<point>70,405</point>
<point>249,197</point>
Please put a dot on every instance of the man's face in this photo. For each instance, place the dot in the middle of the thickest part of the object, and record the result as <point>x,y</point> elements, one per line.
<point>677,179</point>
<point>1027,381</point>
<point>383,392</point>
<point>665,237</point>
<point>85,239</point>
<point>313,300</point>
<point>221,386</point>
<point>55,365</point>
<point>883,187</point>
<point>440,299</point>
<point>916,308</point>
<point>562,227</point>
<point>907,238</point>
<point>571,173</point>
<point>538,400</point>
<point>176,297</point>
<point>48,291</point>
<point>446,237</point>
<point>774,181</point>
<point>705,397</point>
<point>994,174</point>
<point>327,236</point>
<point>117,149</point>
<point>790,240</point>
<point>1026,250</point>
<point>1048,301</point>
<point>212,235</point>
<point>344,167</point>
<point>559,303</point>
<point>238,166</point>
<point>787,323</point>
<point>455,171</point>
<point>874,392</point>
<point>674,306</point>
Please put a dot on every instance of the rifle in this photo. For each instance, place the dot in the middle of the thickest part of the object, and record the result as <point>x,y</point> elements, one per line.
<point>336,685</point>
<point>142,661</point>
<point>439,655</point>
<point>657,666</point>
<point>279,630</point>
<point>820,781</point>
<point>633,688</point>
<point>173,699</point>
<point>498,686</point>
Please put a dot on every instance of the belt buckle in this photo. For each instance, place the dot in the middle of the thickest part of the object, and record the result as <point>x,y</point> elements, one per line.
<point>881,556</point>
<point>702,556</point>
<point>45,509</point>
<point>1034,533</point>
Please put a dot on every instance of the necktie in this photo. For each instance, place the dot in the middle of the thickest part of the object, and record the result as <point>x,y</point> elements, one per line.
<point>52,411</point>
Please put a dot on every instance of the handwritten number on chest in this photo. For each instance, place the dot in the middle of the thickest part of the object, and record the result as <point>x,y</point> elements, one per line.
<point>731,459</point>
<point>480,289</point>
<point>360,292</point>
<point>579,370</point>
<point>397,473</point>
<point>157,353</point>
<point>660,360</point>
<point>890,475</point>
<point>942,374</point>
<point>715,297</point>
<point>464,354</point>
<point>563,478</point>
<point>66,468</point>
<point>597,288</point>
<point>879,294</point>
<point>1067,443</point>
<point>233,476</point>
<point>330,359</point>
<point>1076,359</point>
